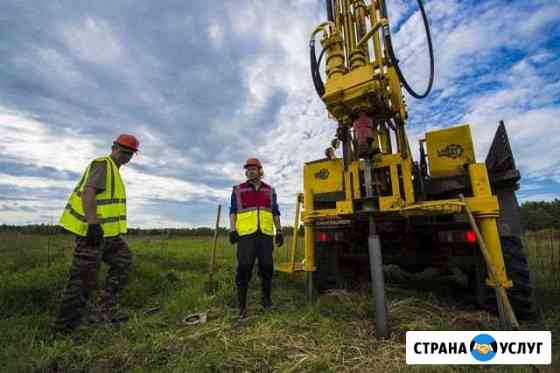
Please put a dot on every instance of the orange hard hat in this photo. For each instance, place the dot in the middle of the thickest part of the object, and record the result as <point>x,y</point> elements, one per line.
<point>253,162</point>
<point>128,141</point>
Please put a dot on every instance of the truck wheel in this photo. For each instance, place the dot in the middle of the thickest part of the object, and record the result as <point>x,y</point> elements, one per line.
<point>521,294</point>
<point>327,275</point>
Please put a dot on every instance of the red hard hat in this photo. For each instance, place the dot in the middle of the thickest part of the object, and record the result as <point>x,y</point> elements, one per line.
<point>128,141</point>
<point>253,162</point>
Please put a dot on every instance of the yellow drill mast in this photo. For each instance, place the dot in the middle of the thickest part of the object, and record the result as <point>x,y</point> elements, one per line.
<point>363,93</point>
<point>363,84</point>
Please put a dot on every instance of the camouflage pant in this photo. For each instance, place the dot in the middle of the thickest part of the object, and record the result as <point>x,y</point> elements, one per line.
<point>83,278</point>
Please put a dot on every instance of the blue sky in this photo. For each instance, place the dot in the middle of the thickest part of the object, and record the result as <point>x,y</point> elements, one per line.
<point>206,84</point>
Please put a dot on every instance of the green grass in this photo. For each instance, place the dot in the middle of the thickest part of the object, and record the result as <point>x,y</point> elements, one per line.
<point>544,259</point>
<point>335,334</point>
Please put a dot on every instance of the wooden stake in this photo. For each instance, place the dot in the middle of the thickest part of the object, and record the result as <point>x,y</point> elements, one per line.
<point>213,253</point>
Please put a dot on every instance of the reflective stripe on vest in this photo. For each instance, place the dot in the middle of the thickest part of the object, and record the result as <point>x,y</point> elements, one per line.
<point>111,204</point>
<point>252,218</point>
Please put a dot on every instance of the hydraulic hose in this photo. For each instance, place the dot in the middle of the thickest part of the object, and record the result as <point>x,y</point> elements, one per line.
<point>315,65</point>
<point>330,14</point>
<point>395,61</point>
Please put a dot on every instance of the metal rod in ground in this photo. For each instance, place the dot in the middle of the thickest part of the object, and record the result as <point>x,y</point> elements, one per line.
<point>213,252</point>
<point>378,283</point>
<point>504,305</point>
<point>309,286</point>
<point>375,262</point>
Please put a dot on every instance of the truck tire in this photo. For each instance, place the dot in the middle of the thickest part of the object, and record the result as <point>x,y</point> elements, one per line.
<point>327,274</point>
<point>521,294</point>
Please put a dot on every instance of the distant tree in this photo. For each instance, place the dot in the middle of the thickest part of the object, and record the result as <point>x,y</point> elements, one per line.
<point>540,215</point>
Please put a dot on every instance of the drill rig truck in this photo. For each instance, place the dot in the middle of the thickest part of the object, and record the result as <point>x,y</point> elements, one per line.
<point>376,205</point>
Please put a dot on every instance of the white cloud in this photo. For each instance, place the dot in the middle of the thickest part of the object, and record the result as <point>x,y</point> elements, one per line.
<point>216,34</point>
<point>526,103</point>
<point>396,10</point>
<point>93,40</point>
<point>542,18</point>
<point>138,218</point>
<point>34,182</point>
<point>160,187</point>
<point>31,141</point>
<point>538,197</point>
<point>467,37</point>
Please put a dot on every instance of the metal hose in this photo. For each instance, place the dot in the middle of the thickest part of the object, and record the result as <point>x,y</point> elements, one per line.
<point>395,61</point>
<point>330,14</point>
<point>315,73</point>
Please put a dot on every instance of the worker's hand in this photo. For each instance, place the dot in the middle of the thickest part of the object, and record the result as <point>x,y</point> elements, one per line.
<point>94,234</point>
<point>233,237</point>
<point>279,239</point>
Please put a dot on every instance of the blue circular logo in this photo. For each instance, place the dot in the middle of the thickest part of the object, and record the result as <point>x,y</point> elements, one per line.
<point>484,347</point>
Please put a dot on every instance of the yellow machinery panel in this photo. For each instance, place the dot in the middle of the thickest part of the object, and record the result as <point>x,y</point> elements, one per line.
<point>449,150</point>
<point>324,176</point>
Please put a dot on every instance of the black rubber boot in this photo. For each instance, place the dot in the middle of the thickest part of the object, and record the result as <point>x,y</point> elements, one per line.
<point>242,300</point>
<point>266,300</point>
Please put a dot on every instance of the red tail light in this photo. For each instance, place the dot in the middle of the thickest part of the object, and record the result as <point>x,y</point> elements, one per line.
<point>457,236</point>
<point>471,236</point>
<point>324,236</point>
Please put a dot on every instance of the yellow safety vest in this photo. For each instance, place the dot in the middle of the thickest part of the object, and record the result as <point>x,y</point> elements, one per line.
<point>250,219</point>
<point>111,204</point>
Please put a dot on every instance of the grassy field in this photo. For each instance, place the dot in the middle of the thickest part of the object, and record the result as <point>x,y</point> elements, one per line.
<point>335,334</point>
<point>544,259</point>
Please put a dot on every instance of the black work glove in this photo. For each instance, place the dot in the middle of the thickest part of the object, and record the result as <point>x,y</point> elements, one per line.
<point>279,239</point>
<point>233,237</point>
<point>94,234</point>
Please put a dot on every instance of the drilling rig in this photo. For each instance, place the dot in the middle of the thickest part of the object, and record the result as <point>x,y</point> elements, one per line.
<point>376,205</point>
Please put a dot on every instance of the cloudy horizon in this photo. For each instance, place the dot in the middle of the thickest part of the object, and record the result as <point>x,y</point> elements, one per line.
<point>206,84</point>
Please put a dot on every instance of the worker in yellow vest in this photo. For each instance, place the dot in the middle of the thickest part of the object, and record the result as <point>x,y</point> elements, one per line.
<point>253,215</point>
<point>96,215</point>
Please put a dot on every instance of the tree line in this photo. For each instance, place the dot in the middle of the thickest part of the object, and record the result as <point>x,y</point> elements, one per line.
<point>541,215</point>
